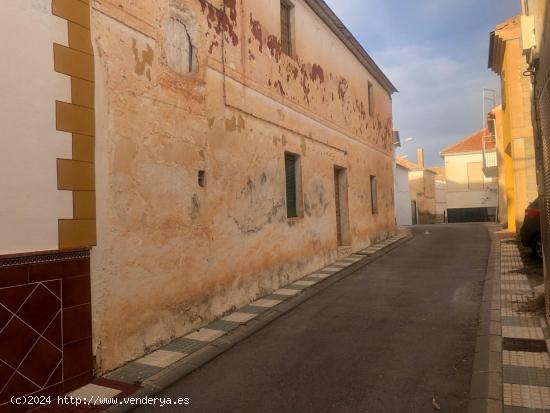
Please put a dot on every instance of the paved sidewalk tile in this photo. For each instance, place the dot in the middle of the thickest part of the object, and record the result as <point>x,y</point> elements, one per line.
<point>533,397</point>
<point>526,359</point>
<point>286,291</point>
<point>263,302</point>
<point>161,358</point>
<point>205,334</point>
<point>239,317</point>
<point>185,345</point>
<point>91,391</point>
<point>133,373</point>
<point>523,332</point>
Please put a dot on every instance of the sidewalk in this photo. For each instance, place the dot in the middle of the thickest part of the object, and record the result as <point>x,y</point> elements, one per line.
<point>149,375</point>
<point>512,363</point>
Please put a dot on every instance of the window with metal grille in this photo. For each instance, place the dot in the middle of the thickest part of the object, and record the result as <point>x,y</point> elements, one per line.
<point>291,172</point>
<point>374,194</point>
<point>371,100</point>
<point>286,28</point>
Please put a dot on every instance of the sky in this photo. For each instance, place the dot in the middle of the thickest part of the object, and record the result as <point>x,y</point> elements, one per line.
<point>435,52</point>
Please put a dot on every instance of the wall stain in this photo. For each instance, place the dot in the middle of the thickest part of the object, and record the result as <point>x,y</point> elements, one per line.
<point>143,63</point>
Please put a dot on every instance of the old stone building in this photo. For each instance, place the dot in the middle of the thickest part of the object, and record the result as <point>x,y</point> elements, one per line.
<point>174,159</point>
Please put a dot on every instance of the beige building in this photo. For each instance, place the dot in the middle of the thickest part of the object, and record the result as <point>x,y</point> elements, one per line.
<point>170,160</point>
<point>472,194</point>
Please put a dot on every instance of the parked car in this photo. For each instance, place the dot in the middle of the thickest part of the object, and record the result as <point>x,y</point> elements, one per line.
<point>530,230</point>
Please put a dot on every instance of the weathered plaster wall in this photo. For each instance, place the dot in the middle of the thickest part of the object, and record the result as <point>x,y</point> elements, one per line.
<point>173,255</point>
<point>422,187</point>
<point>30,144</point>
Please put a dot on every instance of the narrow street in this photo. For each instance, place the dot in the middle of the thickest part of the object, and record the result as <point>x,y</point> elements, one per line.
<point>385,339</point>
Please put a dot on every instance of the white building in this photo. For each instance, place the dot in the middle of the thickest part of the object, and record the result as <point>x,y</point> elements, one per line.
<point>403,210</point>
<point>471,195</point>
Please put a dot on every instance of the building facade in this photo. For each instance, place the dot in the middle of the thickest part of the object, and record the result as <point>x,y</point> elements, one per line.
<point>172,160</point>
<point>421,190</point>
<point>472,196</point>
<point>535,24</point>
<point>514,120</point>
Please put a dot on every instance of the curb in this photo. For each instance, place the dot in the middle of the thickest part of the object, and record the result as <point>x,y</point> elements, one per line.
<point>177,371</point>
<point>486,385</point>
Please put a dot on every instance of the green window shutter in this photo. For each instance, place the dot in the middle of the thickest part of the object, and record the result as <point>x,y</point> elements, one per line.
<point>290,171</point>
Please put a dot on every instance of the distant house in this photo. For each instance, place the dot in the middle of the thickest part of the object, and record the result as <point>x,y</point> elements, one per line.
<point>403,208</point>
<point>421,190</point>
<point>440,194</point>
<point>471,195</point>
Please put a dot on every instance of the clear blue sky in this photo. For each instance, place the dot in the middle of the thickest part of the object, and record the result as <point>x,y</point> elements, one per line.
<point>435,52</point>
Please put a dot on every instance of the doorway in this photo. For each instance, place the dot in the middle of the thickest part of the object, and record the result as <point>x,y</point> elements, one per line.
<point>341,203</point>
<point>414,213</point>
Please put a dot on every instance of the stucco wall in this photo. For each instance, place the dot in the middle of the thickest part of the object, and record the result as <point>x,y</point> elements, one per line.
<point>422,189</point>
<point>459,195</point>
<point>403,210</point>
<point>173,255</point>
<point>31,203</point>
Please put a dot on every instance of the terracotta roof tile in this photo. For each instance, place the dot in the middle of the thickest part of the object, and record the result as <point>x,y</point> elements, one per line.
<point>473,143</point>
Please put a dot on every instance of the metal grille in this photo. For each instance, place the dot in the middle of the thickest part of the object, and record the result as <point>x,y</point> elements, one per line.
<point>544,113</point>
<point>290,171</point>
<point>286,28</point>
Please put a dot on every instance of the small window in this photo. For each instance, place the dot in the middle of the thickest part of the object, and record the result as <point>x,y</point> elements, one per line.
<point>371,100</point>
<point>292,173</point>
<point>202,178</point>
<point>374,194</point>
<point>286,27</point>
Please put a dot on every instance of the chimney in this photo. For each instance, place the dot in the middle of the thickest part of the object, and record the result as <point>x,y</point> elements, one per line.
<point>421,158</point>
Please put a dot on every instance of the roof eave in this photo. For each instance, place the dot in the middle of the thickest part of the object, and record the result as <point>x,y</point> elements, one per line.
<point>335,24</point>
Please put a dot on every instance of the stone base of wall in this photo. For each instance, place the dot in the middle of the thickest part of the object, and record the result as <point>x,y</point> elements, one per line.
<point>45,324</point>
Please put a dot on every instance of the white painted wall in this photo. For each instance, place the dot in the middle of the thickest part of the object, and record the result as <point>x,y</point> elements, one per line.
<point>458,193</point>
<point>29,87</point>
<point>440,197</point>
<point>403,213</point>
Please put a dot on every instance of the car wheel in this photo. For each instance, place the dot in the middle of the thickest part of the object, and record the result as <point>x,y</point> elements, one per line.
<point>537,247</point>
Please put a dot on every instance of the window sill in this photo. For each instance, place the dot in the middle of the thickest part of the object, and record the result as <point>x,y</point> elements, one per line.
<point>294,220</point>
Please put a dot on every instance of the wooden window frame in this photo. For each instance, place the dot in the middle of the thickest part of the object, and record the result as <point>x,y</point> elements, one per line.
<point>287,27</point>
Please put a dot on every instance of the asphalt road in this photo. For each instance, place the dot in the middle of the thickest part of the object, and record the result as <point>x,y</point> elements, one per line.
<point>385,339</point>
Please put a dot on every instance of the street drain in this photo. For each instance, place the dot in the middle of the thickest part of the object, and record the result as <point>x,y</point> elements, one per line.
<point>521,344</point>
